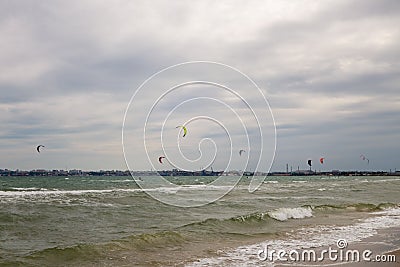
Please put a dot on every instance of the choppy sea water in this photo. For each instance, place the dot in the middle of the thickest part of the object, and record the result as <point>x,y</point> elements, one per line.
<point>110,221</point>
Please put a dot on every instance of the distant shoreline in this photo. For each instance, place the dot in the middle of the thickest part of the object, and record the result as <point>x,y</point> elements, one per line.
<point>75,172</point>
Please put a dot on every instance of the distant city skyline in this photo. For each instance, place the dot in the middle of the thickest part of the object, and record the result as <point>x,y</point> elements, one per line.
<point>176,173</point>
<point>329,70</point>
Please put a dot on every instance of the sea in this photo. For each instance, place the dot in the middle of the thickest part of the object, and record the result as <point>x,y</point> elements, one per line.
<point>111,221</point>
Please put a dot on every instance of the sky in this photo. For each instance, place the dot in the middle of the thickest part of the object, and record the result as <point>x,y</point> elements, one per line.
<point>329,72</point>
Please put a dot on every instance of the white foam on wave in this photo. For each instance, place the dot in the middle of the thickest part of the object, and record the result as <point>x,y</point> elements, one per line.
<point>165,190</point>
<point>283,214</point>
<point>385,180</point>
<point>33,191</point>
<point>271,182</point>
<point>299,197</point>
<point>50,192</point>
<point>29,189</point>
<point>300,181</point>
<point>71,197</point>
<point>305,238</point>
<point>114,181</point>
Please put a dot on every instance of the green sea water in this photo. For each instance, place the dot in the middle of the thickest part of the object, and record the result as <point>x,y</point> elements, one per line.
<point>110,221</point>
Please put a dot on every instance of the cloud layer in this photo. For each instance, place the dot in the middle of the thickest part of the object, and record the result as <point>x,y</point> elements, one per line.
<point>329,69</point>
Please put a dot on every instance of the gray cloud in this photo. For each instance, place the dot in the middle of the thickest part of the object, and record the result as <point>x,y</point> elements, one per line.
<point>329,69</point>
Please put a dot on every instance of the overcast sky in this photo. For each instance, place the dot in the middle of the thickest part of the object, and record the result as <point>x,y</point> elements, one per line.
<point>330,71</point>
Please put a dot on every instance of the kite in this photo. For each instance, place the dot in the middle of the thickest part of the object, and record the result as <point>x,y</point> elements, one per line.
<point>38,148</point>
<point>364,158</point>
<point>241,151</point>
<point>321,160</point>
<point>309,162</point>
<point>160,159</point>
<point>184,130</point>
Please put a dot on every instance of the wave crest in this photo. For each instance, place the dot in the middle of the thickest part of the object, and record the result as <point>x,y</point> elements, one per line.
<point>284,214</point>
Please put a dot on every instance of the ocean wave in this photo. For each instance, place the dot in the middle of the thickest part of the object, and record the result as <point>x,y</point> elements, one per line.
<point>158,239</point>
<point>385,215</point>
<point>52,192</point>
<point>91,253</point>
<point>271,182</point>
<point>26,189</point>
<point>43,195</point>
<point>284,214</point>
<point>278,215</point>
<point>361,207</point>
<point>306,238</point>
<point>66,197</point>
<point>17,191</point>
<point>385,180</point>
<point>308,197</point>
<point>112,180</point>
